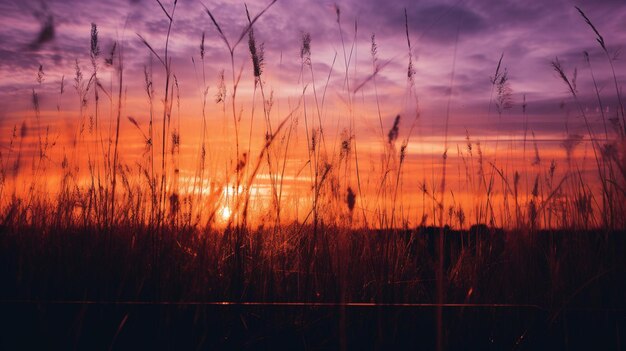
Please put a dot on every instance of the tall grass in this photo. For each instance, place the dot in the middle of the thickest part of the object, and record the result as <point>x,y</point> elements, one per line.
<point>347,221</point>
<point>332,165</point>
<point>347,234</point>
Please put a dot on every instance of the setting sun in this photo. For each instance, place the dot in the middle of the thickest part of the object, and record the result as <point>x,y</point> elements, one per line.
<point>225,213</point>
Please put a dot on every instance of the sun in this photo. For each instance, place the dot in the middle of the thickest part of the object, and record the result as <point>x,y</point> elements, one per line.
<point>225,213</point>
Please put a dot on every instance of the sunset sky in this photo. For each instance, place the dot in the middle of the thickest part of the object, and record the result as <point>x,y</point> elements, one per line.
<point>529,35</point>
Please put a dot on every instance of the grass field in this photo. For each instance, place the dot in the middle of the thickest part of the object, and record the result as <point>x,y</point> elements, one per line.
<point>261,221</point>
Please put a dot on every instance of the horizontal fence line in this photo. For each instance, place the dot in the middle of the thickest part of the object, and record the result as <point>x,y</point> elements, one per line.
<point>262,303</point>
<point>270,304</point>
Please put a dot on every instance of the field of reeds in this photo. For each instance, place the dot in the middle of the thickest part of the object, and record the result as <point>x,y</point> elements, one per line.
<point>272,226</point>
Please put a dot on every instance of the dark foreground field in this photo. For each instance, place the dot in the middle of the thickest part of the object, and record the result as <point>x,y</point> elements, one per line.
<point>293,288</point>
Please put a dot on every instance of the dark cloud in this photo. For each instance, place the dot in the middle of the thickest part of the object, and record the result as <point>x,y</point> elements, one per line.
<point>530,34</point>
<point>441,23</point>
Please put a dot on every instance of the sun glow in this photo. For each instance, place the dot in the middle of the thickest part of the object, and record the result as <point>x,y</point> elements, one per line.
<point>225,213</point>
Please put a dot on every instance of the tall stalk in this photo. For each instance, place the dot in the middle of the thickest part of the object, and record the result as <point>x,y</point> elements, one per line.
<point>120,77</point>
<point>166,62</point>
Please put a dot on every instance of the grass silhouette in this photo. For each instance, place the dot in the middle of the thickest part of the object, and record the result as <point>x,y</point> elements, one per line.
<point>135,231</point>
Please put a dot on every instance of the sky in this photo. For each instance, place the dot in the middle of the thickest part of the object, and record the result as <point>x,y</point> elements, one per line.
<point>455,48</point>
<point>529,34</point>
